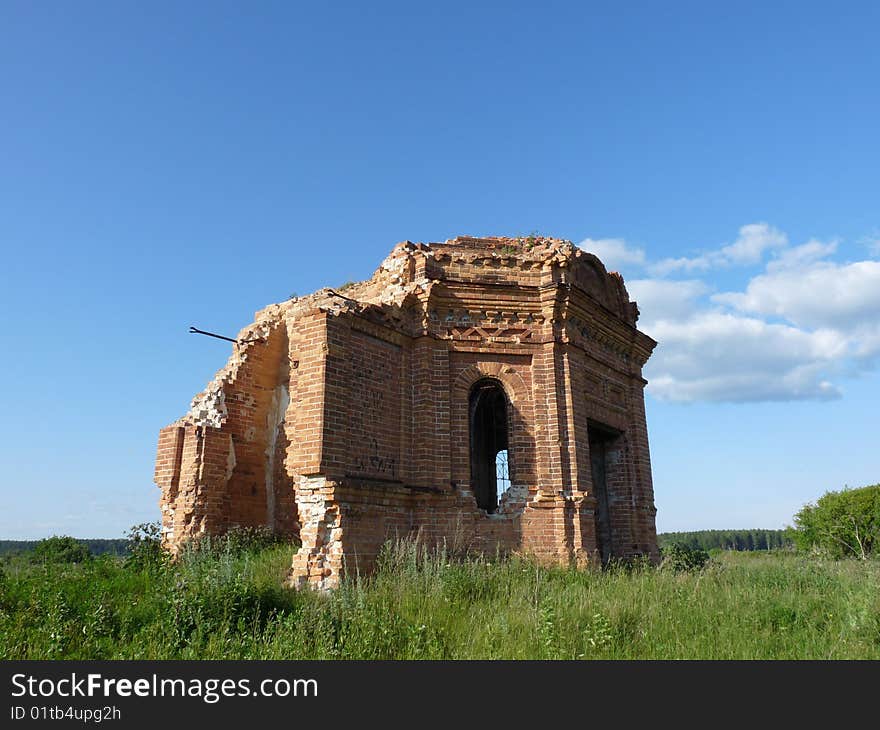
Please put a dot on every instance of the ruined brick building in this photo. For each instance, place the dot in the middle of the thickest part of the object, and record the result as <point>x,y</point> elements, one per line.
<point>485,392</point>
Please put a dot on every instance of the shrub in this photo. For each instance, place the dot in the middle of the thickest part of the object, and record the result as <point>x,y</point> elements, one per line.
<point>205,604</point>
<point>145,547</point>
<point>239,540</point>
<point>840,524</point>
<point>236,541</point>
<point>61,549</point>
<point>680,557</point>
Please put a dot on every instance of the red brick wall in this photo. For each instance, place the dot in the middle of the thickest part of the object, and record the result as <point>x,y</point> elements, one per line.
<point>374,418</point>
<point>374,442</point>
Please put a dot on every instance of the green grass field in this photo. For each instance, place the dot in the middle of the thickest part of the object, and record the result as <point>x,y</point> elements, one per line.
<point>230,605</point>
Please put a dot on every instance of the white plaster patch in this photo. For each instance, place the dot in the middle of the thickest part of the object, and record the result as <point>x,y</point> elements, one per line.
<point>230,459</point>
<point>274,421</point>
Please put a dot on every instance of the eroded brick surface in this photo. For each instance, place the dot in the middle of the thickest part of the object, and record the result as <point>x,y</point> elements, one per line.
<point>347,417</point>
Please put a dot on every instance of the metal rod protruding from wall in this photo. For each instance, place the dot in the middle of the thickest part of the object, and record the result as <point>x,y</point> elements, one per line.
<point>196,331</point>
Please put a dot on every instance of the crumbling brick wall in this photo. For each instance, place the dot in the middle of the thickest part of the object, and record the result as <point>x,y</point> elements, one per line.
<point>347,418</point>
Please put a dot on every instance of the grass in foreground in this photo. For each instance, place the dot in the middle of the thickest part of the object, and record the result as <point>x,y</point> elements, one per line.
<point>230,605</point>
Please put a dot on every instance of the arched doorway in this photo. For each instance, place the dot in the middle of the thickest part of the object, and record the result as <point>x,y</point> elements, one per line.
<point>490,455</point>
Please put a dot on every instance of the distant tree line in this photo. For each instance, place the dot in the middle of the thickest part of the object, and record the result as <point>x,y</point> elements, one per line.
<point>727,539</point>
<point>94,546</point>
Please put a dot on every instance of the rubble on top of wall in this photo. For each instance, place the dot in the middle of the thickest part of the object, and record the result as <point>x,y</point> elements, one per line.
<point>208,408</point>
<point>396,279</point>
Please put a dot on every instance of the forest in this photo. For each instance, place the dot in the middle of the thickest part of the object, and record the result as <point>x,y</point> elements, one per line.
<point>728,539</point>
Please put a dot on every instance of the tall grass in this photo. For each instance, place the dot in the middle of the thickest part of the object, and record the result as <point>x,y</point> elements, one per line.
<point>223,603</point>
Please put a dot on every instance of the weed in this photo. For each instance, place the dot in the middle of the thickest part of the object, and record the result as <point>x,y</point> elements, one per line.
<point>223,599</point>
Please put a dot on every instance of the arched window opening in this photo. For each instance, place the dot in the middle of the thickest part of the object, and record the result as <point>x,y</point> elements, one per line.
<point>490,465</point>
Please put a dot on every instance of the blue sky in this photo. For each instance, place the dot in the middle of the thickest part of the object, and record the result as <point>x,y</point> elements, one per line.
<point>168,164</point>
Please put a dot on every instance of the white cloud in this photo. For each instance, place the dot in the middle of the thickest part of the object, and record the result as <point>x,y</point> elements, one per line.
<point>613,252</point>
<point>744,387</point>
<point>866,344</point>
<point>753,241</point>
<point>718,356</point>
<point>819,294</point>
<point>801,322</point>
<point>798,256</point>
<point>797,325</point>
<point>688,265</point>
<point>872,243</point>
<point>664,299</point>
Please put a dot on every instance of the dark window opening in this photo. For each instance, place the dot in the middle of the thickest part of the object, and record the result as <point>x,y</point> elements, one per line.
<point>602,440</point>
<point>490,466</point>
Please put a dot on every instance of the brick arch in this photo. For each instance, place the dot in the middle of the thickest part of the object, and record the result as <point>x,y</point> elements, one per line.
<point>511,380</point>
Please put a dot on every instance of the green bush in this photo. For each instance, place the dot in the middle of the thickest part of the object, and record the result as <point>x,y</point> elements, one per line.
<point>240,540</point>
<point>840,524</point>
<point>236,541</point>
<point>61,549</point>
<point>681,557</point>
<point>145,547</point>
<point>210,596</point>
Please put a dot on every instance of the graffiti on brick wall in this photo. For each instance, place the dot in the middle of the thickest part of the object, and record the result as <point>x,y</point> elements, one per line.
<point>373,462</point>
